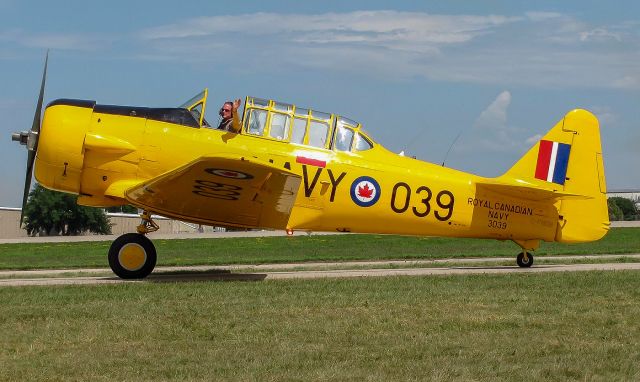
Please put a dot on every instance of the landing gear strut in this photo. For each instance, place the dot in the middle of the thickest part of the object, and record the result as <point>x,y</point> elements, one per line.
<point>133,255</point>
<point>147,225</point>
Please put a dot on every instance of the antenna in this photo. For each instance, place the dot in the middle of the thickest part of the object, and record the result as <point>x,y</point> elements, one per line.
<point>415,139</point>
<point>450,147</point>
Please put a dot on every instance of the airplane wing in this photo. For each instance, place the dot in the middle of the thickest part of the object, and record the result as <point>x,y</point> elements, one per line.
<point>527,191</point>
<point>225,190</point>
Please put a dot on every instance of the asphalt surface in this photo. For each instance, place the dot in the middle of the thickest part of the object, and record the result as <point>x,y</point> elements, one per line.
<point>313,271</point>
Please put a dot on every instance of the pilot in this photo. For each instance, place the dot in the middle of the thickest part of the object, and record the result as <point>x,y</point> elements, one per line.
<point>229,114</point>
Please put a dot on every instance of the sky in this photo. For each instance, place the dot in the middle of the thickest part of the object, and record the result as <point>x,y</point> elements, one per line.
<point>470,83</point>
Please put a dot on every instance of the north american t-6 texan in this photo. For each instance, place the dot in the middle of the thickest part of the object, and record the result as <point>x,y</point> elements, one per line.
<point>292,168</point>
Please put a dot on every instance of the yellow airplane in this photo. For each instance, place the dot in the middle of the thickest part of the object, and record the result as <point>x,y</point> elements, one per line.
<point>294,168</point>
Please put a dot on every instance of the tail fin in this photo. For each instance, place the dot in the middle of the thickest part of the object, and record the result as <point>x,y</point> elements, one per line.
<point>569,159</point>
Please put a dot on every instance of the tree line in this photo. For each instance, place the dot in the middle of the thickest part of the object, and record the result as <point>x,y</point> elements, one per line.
<point>622,209</point>
<point>54,213</point>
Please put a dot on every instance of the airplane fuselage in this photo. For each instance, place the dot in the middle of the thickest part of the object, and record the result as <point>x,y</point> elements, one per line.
<point>86,149</point>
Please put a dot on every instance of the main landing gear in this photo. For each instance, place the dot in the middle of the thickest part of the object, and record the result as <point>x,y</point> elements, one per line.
<point>525,258</point>
<point>133,255</point>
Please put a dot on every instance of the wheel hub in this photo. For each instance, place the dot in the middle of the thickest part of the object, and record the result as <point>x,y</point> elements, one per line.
<point>132,257</point>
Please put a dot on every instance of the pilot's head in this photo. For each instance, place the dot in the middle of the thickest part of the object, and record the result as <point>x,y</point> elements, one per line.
<point>225,110</point>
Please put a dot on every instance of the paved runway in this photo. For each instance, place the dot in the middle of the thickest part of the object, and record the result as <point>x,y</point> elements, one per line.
<point>297,271</point>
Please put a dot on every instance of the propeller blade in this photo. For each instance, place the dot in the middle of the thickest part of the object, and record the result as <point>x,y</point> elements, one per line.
<point>32,147</point>
<point>27,182</point>
<point>36,118</point>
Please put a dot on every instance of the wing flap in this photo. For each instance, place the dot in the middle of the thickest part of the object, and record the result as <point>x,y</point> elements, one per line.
<point>224,190</point>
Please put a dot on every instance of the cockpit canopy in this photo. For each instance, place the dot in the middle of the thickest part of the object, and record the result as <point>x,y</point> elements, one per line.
<point>286,122</point>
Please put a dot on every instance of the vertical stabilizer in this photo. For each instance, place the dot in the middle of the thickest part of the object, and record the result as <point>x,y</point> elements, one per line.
<point>569,159</point>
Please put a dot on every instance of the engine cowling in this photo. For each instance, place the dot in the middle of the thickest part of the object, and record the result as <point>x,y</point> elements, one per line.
<point>60,154</point>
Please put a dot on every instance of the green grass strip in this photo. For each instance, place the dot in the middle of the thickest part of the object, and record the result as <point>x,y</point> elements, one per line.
<point>300,248</point>
<point>551,327</point>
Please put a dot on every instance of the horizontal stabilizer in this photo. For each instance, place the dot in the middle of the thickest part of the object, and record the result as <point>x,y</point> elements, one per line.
<point>528,191</point>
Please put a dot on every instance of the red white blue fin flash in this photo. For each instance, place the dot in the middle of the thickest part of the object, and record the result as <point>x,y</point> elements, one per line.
<point>553,158</point>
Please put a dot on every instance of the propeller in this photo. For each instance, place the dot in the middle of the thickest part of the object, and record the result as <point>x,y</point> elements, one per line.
<point>30,139</point>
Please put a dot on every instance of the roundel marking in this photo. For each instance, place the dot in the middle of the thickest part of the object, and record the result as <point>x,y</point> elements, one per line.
<point>365,191</point>
<point>232,174</point>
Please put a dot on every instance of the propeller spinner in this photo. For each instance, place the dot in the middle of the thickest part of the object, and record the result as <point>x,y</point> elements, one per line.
<point>30,139</point>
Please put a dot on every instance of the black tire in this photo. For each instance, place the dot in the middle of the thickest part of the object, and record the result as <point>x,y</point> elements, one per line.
<point>132,256</point>
<point>521,261</point>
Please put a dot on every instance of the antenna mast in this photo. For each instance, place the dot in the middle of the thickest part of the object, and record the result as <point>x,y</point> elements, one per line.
<point>450,147</point>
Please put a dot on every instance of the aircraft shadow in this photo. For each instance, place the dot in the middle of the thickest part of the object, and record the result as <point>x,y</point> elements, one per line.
<point>208,275</point>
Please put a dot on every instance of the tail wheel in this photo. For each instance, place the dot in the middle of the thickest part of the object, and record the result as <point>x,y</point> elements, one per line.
<point>132,256</point>
<point>524,259</point>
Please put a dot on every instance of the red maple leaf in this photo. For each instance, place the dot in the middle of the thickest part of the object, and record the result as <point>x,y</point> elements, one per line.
<point>230,174</point>
<point>365,191</point>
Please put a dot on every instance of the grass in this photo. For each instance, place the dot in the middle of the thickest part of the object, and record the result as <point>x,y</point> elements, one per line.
<point>555,327</point>
<point>552,327</point>
<point>300,249</point>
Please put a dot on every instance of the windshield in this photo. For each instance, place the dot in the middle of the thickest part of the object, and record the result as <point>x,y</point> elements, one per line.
<point>193,100</point>
<point>196,105</point>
